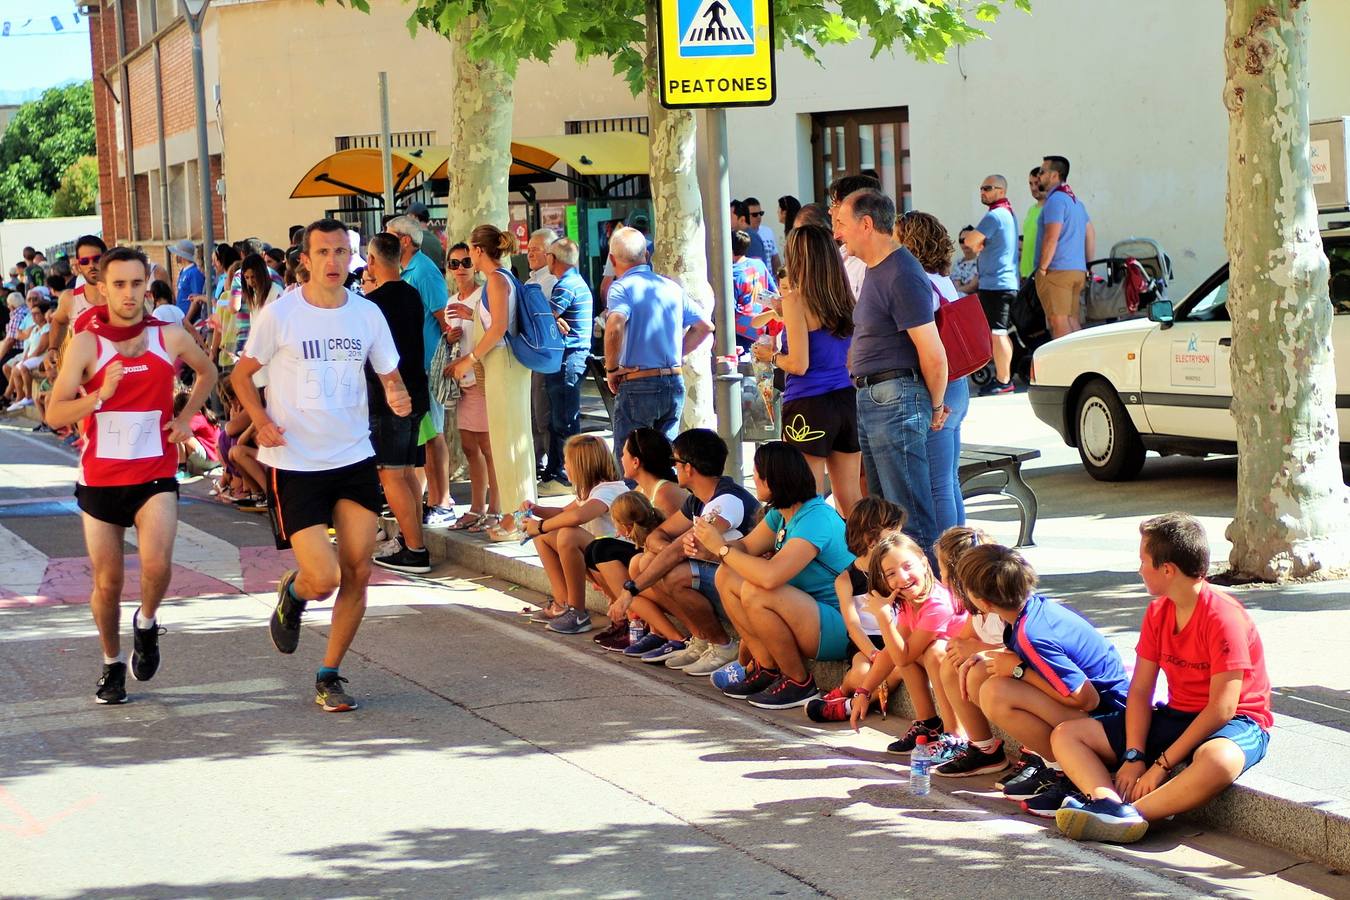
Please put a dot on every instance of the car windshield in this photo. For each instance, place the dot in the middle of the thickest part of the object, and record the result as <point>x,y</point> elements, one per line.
<point>1211,305</point>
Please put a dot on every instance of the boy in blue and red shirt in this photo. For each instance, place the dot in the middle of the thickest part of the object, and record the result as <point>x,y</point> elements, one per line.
<point>1217,716</point>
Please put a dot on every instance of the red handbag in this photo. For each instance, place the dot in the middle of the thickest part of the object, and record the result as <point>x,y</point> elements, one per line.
<point>965,334</point>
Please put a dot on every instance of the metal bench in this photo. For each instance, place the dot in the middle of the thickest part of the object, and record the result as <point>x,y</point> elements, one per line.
<point>981,460</point>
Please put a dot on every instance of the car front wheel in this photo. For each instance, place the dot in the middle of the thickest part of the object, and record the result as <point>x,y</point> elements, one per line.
<point>1108,443</point>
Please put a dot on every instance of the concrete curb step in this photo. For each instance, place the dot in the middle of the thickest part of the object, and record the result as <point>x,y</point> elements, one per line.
<point>1261,807</point>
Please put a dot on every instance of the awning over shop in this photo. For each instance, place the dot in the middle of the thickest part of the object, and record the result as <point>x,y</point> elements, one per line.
<point>360,172</point>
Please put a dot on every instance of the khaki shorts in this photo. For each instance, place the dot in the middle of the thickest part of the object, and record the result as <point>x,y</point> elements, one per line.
<point>1061,292</point>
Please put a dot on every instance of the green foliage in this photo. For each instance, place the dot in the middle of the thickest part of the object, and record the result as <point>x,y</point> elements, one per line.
<point>44,139</point>
<point>78,189</point>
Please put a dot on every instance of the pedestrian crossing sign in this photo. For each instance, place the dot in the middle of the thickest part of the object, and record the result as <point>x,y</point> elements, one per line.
<point>716,53</point>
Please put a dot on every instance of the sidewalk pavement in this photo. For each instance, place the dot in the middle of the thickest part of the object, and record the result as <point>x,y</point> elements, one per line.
<point>1298,798</point>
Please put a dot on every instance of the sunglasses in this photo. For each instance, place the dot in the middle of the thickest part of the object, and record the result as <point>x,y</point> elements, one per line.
<point>89,260</point>
<point>757,215</point>
<point>459,263</point>
<point>987,187</point>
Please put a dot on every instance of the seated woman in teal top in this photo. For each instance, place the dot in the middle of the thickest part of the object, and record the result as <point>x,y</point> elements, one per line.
<point>785,607</point>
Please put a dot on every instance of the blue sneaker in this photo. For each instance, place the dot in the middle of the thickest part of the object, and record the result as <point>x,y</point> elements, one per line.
<point>664,652</point>
<point>731,674</point>
<point>649,642</point>
<point>1100,820</point>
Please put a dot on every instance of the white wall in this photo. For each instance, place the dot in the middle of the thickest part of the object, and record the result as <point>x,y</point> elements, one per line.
<point>15,234</point>
<point>1128,90</point>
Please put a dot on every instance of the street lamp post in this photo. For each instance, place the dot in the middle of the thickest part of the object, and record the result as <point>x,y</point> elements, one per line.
<point>195,12</point>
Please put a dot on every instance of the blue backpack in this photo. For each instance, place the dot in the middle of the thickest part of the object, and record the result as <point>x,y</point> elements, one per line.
<point>536,341</point>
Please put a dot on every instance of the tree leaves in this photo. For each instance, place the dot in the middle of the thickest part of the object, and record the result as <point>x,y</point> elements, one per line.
<point>78,189</point>
<point>44,139</point>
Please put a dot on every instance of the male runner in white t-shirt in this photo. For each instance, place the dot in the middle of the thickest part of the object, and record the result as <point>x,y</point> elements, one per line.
<point>314,434</point>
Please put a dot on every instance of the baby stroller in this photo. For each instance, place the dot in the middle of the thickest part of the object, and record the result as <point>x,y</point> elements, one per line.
<point>1027,331</point>
<point>1122,285</point>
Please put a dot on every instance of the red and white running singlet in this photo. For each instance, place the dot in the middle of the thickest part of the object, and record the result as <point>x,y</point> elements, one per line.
<point>125,442</point>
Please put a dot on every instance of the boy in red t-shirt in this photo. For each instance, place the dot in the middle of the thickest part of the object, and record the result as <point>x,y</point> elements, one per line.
<point>1217,716</point>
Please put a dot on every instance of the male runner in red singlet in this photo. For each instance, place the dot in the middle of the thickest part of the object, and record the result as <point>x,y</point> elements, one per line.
<point>79,298</point>
<point>124,362</point>
<point>314,433</point>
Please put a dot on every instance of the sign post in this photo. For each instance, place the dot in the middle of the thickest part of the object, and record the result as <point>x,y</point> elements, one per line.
<point>714,54</point>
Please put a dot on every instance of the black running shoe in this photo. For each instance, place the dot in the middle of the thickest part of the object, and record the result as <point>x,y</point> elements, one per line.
<point>1051,797</point>
<point>1031,785</point>
<point>145,652</point>
<point>1029,761</point>
<point>974,761</point>
<point>906,742</point>
<point>112,687</point>
<point>329,693</point>
<point>417,562</point>
<point>756,680</point>
<point>285,624</point>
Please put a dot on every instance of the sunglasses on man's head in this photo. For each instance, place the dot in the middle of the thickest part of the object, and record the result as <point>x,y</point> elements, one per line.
<point>460,263</point>
<point>89,260</point>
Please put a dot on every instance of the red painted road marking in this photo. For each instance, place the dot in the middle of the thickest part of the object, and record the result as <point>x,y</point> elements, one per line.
<point>33,826</point>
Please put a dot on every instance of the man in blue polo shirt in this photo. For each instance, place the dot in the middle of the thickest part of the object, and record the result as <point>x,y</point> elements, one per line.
<point>995,242</point>
<point>420,272</point>
<point>572,304</point>
<point>650,325</point>
<point>1065,242</point>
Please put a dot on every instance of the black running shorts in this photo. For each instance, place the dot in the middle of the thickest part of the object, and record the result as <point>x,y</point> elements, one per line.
<point>998,309</point>
<point>119,505</point>
<point>823,424</point>
<point>300,500</point>
<point>608,549</point>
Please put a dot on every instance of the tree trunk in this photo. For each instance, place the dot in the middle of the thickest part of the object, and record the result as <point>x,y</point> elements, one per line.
<point>677,225</point>
<point>1292,502</point>
<point>482,103</point>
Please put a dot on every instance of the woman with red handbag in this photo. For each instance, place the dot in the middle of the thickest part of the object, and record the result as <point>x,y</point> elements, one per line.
<point>924,236</point>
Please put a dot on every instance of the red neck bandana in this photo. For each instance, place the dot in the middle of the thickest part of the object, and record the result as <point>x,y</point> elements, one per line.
<point>101,326</point>
<point>1002,204</point>
<point>1068,190</point>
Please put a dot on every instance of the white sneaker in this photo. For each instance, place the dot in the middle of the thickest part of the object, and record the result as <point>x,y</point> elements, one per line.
<point>20,404</point>
<point>689,655</point>
<point>714,657</point>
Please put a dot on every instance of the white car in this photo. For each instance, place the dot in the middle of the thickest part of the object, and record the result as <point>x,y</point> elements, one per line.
<point>1163,383</point>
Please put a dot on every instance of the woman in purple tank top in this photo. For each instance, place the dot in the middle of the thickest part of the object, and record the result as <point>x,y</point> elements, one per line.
<point>820,415</point>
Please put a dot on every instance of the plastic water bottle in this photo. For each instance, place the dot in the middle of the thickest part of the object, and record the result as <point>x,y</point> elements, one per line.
<point>920,764</point>
<point>637,630</point>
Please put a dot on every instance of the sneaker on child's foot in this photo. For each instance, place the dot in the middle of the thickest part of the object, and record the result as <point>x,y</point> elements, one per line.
<point>417,562</point>
<point>732,673</point>
<point>1025,767</point>
<point>755,680</point>
<point>573,621</point>
<point>112,687</point>
<point>1100,820</point>
<point>907,741</point>
<point>329,693</point>
<point>615,627</point>
<point>689,655</point>
<point>974,761</point>
<point>785,693</point>
<point>1031,785</point>
<point>650,641</point>
<point>664,652</point>
<point>830,709</point>
<point>715,657</point>
<point>1049,799</point>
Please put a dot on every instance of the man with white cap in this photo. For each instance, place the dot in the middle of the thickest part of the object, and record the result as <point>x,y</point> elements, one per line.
<point>191,280</point>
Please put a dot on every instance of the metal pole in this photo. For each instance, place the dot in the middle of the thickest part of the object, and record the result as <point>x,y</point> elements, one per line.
<point>203,150</point>
<point>159,125</point>
<point>128,158</point>
<point>386,152</point>
<point>717,211</point>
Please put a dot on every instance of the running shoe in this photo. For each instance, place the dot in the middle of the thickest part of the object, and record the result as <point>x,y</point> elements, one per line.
<point>716,657</point>
<point>331,695</point>
<point>418,562</point>
<point>145,652</point>
<point>20,404</point>
<point>618,642</point>
<point>996,387</point>
<point>732,673</point>
<point>907,741</point>
<point>285,623</point>
<point>112,687</point>
<point>1100,820</point>
<point>255,503</point>
<point>690,655</point>
<point>553,487</point>
<point>785,693</point>
<point>1032,785</point>
<point>830,709</point>
<point>974,761</point>
<point>945,749</point>
<point>1051,797</point>
<point>756,679</point>
<point>572,621</point>
<point>183,476</point>
<point>1019,771</point>
<point>438,516</point>
<point>615,628</point>
<point>664,652</point>
<point>649,642</point>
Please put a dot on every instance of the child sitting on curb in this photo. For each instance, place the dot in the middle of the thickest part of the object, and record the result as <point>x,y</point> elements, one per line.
<point>1216,721</point>
<point>1056,667</point>
<point>871,518</point>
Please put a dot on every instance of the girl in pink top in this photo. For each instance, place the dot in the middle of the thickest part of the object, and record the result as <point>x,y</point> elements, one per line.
<point>917,616</point>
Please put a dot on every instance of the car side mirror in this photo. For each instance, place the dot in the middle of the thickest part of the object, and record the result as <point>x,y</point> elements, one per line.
<point>1160,311</point>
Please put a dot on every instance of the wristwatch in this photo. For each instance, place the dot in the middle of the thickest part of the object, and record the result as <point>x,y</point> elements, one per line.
<point>631,587</point>
<point>1018,671</point>
<point>1133,755</point>
<point>98,402</point>
<point>724,550</point>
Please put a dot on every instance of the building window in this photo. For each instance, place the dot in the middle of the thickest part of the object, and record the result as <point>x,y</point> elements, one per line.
<point>845,143</point>
<point>163,11</point>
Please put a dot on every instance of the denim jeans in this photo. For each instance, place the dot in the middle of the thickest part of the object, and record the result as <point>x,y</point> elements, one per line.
<point>654,402</point>
<point>944,459</point>
<point>564,406</point>
<point>893,420</point>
